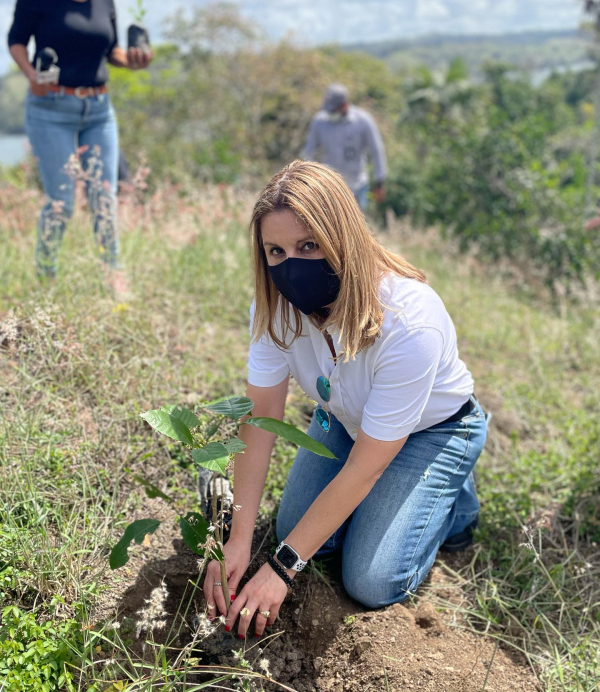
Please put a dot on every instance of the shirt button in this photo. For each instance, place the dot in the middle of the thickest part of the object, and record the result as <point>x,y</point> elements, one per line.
<point>354,431</point>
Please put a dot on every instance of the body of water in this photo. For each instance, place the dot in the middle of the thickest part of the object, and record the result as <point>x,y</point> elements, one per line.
<point>541,75</point>
<point>13,149</point>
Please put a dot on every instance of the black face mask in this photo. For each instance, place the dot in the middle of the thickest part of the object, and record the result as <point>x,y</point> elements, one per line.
<point>308,284</point>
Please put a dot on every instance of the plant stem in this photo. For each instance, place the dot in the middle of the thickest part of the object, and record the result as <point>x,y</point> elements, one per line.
<point>219,538</point>
<point>223,570</point>
<point>214,504</point>
<point>225,586</point>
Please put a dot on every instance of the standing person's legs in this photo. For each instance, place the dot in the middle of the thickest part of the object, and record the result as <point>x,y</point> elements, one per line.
<point>395,533</point>
<point>362,197</point>
<point>100,163</point>
<point>52,133</point>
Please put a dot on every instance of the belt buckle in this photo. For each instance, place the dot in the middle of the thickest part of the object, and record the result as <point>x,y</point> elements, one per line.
<point>82,92</point>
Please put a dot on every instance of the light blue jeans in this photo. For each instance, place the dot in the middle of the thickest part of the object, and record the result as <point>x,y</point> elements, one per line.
<point>362,197</point>
<point>57,126</point>
<point>425,495</point>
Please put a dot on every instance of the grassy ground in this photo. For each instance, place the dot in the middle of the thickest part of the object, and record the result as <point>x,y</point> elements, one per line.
<point>76,368</point>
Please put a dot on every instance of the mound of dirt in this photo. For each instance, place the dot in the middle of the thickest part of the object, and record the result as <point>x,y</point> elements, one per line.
<point>414,649</point>
<point>328,643</point>
<point>324,641</point>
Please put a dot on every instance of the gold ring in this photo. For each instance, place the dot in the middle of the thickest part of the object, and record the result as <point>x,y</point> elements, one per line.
<point>265,613</point>
<point>210,607</point>
<point>244,612</point>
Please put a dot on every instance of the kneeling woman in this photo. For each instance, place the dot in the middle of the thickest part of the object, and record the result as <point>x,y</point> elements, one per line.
<point>366,338</point>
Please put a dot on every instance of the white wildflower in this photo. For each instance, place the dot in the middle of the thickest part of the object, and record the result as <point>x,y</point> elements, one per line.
<point>264,665</point>
<point>222,620</point>
<point>205,627</point>
<point>209,544</point>
<point>154,610</point>
<point>212,528</point>
<point>114,626</point>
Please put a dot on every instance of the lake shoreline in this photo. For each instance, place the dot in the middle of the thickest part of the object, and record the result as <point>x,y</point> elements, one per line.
<point>13,149</point>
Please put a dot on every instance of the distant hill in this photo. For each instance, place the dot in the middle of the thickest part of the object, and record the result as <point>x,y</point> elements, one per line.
<point>533,51</point>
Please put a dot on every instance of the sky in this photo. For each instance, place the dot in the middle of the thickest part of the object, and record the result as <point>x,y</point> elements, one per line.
<point>358,21</point>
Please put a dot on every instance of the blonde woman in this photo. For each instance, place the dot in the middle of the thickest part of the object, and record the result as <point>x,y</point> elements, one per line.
<point>366,338</point>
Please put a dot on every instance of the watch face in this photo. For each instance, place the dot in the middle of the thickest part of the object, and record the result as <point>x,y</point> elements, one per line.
<point>287,557</point>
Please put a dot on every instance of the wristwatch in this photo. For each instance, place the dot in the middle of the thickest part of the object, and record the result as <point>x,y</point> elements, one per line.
<point>289,558</point>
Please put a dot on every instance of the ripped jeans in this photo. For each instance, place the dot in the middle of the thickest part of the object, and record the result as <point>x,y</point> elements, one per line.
<point>58,126</point>
<point>426,494</point>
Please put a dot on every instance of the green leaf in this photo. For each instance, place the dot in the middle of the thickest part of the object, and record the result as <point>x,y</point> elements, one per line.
<point>214,457</point>
<point>212,428</point>
<point>168,425</point>
<point>234,407</point>
<point>194,530</point>
<point>134,532</point>
<point>291,434</point>
<point>183,414</point>
<point>151,490</point>
<point>235,445</point>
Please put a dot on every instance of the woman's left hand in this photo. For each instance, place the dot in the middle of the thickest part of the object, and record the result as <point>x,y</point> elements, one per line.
<point>264,592</point>
<point>138,59</point>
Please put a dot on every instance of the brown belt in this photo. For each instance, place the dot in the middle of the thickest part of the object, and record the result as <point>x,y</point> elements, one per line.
<point>80,92</point>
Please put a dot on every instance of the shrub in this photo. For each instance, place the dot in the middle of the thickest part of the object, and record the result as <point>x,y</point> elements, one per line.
<point>34,656</point>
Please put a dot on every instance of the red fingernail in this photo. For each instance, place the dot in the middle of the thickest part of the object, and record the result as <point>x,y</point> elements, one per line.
<point>240,636</point>
<point>256,634</point>
<point>233,598</point>
<point>227,629</point>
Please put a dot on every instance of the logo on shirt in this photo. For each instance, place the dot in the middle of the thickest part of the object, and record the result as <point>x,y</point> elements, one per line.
<point>350,153</point>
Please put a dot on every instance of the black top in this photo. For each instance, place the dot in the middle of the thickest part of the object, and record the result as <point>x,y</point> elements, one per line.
<point>83,34</point>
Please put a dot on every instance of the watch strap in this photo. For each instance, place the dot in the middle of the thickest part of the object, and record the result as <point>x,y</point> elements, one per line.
<point>299,565</point>
<point>280,572</point>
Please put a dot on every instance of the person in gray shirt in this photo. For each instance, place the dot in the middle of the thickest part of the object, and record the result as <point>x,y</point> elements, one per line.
<point>343,136</point>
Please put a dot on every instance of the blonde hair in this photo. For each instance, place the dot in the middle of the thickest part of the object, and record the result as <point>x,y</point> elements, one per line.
<point>320,198</point>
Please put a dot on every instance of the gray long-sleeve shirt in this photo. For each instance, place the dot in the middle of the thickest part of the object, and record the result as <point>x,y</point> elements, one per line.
<point>345,145</point>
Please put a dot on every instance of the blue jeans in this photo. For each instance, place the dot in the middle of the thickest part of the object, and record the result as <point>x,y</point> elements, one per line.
<point>57,125</point>
<point>425,495</point>
<point>362,197</point>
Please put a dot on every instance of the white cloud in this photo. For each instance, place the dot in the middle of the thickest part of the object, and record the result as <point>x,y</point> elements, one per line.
<point>432,10</point>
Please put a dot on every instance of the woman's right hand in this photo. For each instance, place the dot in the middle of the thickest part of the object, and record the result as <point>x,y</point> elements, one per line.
<point>237,559</point>
<point>36,89</point>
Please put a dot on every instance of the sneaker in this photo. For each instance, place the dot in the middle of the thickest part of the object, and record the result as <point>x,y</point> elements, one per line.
<point>460,541</point>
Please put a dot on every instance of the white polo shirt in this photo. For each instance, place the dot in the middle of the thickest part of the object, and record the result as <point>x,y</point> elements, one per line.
<point>410,379</point>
